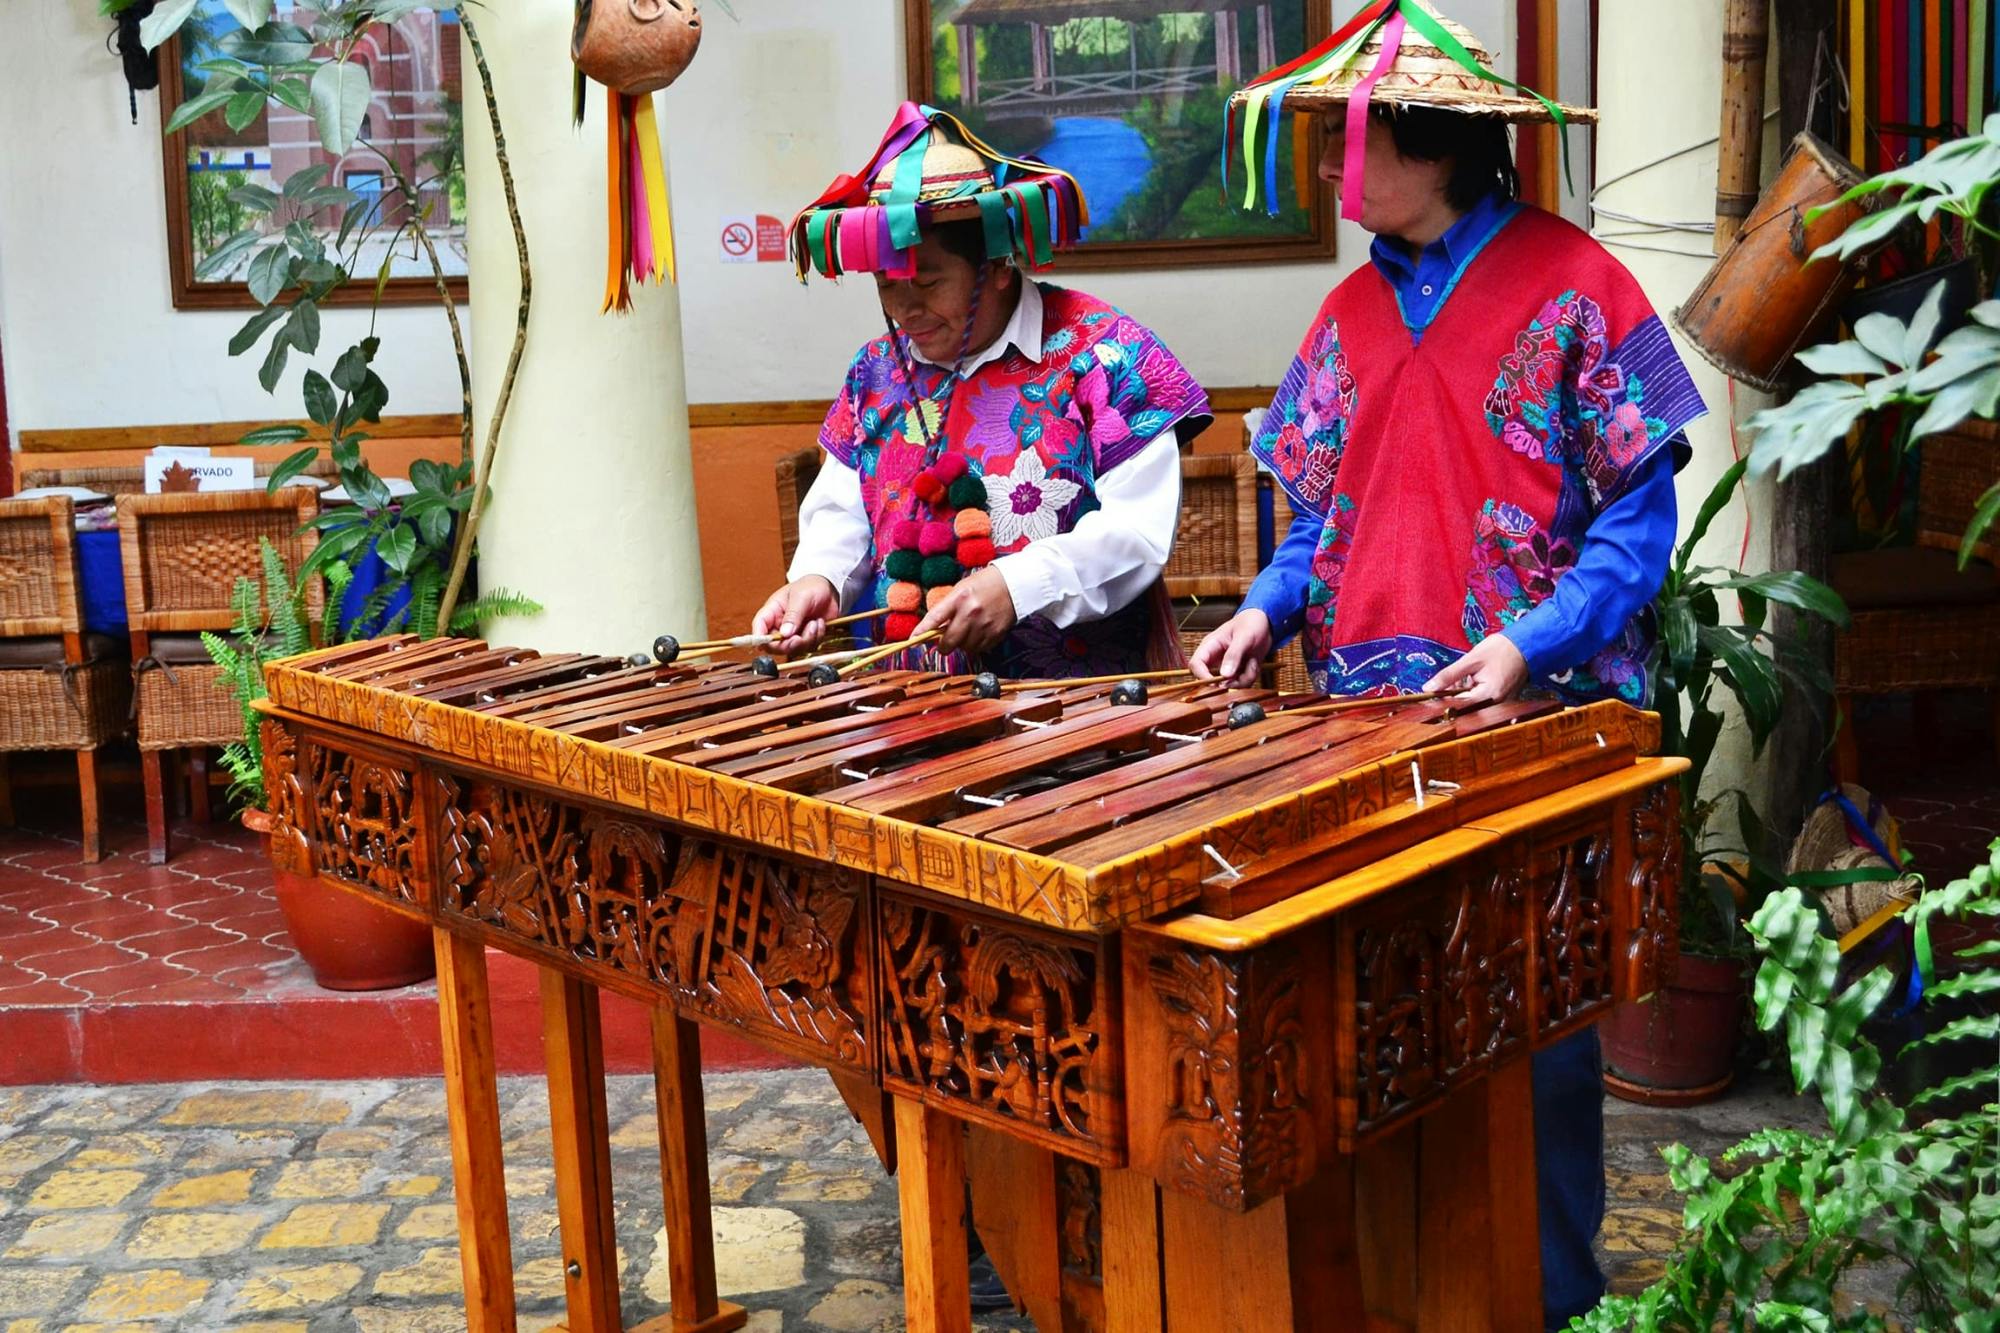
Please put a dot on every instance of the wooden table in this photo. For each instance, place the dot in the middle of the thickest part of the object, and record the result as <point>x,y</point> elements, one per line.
<point>1314,1114</point>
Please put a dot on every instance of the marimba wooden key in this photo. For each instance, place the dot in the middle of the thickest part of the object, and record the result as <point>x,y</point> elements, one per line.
<point>1236,1019</point>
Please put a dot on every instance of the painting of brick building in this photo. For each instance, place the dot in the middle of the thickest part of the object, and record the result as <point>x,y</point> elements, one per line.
<point>412,127</point>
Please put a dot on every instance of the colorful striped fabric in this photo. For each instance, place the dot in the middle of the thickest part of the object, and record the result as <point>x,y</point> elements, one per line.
<point>1919,72</point>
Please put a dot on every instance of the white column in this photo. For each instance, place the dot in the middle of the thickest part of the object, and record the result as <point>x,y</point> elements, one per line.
<point>593,510</point>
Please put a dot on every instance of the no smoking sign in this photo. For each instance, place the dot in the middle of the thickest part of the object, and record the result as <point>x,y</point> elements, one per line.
<point>745,239</point>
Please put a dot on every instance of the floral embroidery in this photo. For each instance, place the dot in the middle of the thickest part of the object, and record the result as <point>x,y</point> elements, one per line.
<point>1329,568</point>
<point>1305,432</point>
<point>1026,502</point>
<point>1515,565</point>
<point>1562,397</point>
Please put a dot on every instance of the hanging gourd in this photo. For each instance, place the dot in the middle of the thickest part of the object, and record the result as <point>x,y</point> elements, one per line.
<point>634,48</point>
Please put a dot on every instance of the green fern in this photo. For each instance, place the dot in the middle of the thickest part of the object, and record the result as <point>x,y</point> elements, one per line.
<point>255,639</point>
<point>466,618</point>
<point>339,577</point>
<point>426,589</point>
<point>285,603</point>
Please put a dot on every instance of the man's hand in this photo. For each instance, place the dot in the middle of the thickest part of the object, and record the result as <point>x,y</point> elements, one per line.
<point>1492,672</point>
<point>1235,651</point>
<point>974,616</point>
<point>797,613</point>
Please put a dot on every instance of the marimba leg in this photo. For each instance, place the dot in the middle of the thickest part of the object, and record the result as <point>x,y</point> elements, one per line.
<point>578,1123</point>
<point>1290,1263</point>
<point>1134,1301</point>
<point>1014,1206</point>
<point>930,1183</point>
<point>684,1176</point>
<point>472,1101</point>
<point>1385,1217</point>
<point>1479,1265</point>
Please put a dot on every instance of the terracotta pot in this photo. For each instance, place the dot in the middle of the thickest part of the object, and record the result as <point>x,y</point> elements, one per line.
<point>347,941</point>
<point>1678,1048</point>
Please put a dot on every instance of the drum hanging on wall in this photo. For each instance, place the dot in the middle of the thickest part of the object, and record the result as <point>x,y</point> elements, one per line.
<point>634,48</point>
<point>1762,300</point>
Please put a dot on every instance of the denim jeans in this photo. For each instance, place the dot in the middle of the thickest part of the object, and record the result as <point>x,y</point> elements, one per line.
<point>1569,1171</point>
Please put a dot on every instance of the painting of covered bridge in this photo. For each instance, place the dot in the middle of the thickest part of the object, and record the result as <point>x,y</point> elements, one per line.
<point>1128,96</point>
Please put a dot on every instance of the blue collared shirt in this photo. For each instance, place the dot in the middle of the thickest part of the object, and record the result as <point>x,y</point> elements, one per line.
<point>1625,550</point>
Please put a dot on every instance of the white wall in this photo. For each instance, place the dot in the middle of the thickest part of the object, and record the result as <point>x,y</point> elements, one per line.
<point>90,333</point>
<point>782,98</point>
<point>1646,119</point>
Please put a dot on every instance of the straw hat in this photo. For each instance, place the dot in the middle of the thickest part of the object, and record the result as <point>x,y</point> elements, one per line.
<point>954,177</point>
<point>1825,843</point>
<point>1423,75</point>
<point>930,168</point>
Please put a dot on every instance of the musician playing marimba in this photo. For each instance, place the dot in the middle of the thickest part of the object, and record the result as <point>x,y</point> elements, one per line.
<point>1002,464</point>
<point>1478,435</point>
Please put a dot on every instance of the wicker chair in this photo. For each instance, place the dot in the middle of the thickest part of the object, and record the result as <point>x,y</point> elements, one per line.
<point>796,474</point>
<point>1919,622</point>
<point>183,555</point>
<point>60,689</point>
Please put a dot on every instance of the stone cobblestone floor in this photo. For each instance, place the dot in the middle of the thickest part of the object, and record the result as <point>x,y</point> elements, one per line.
<point>316,1207</point>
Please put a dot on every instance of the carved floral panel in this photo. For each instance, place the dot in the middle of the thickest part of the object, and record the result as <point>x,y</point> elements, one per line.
<point>1006,1022</point>
<point>363,821</point>
<point>747,938</point>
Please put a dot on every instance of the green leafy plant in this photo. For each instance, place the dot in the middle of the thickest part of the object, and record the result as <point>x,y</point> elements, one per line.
<point>270,623</point>
<point>1702,660</point>
<point>291,268</point>
<point>1771,1233</point>
<point>1936,382</point>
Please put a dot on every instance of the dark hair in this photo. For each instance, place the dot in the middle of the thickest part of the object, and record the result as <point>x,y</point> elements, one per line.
<point>966,239</point>
<point>1482,156</point>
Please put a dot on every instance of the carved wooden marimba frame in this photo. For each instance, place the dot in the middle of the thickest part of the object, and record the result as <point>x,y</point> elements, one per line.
<point>1225,1029</point>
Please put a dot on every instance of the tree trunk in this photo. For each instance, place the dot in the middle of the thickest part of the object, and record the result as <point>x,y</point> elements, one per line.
<point>1806,502</point>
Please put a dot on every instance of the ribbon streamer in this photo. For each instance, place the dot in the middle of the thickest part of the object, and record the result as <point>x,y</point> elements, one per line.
<point>640,237</point>
<point>1033,209</point>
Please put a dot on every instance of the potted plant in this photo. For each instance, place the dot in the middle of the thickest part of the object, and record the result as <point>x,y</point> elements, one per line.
<point>349,942</point>
<point>1678,1047</point>
<point>1774,1230</point>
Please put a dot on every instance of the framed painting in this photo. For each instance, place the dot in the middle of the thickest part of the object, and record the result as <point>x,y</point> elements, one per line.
<point>1128,96</point>
<point>414,116</point>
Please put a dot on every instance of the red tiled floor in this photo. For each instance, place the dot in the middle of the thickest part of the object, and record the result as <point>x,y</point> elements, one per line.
<point>115,983</point>
<point>185,971</point>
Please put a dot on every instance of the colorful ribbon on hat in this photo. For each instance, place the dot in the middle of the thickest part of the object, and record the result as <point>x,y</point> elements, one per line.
<point>640,228</point>
<point>1320,67</point>
<point>1033,210</point>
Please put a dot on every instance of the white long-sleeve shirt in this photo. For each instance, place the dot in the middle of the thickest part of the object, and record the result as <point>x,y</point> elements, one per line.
<point>1101,565</point>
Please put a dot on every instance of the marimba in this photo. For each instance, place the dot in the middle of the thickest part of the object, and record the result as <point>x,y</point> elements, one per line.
<point>1225,1026</point>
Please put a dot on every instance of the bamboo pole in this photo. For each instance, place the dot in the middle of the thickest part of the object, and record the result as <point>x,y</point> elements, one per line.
<point>1746,42</point>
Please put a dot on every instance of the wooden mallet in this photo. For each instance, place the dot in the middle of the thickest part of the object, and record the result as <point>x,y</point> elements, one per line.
<point>668,649</point>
